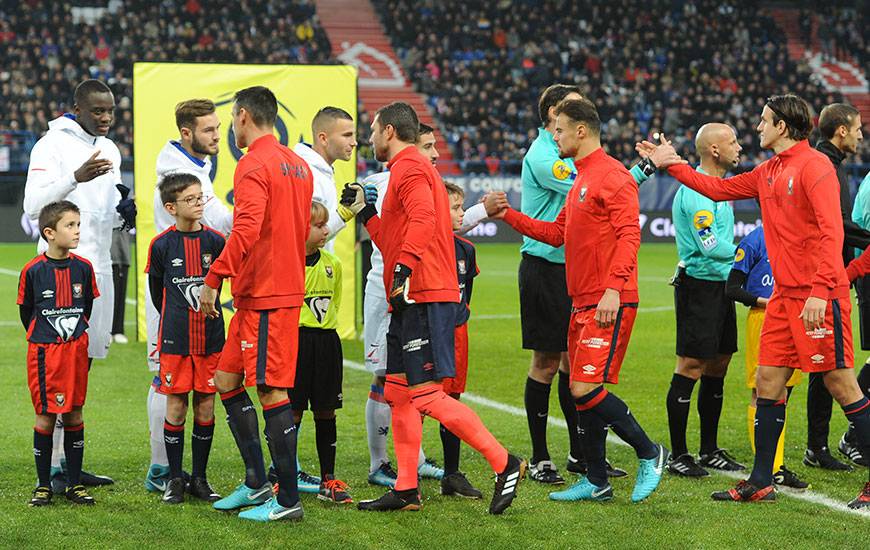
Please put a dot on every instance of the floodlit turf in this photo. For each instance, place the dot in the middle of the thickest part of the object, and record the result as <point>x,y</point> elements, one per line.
<point>679,515</point>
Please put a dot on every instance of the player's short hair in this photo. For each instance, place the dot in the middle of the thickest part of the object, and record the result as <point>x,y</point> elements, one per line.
<point>51,214</point>
<point>319,212</point>
<point>795,112</point>
<point>260,103</point>
<point>174,184</point>
<point>84,90</point>
<point>328,115</point>
<point>581,111</point>
<point>453,189</point>
<point>403,118</point>
<point>425,129</point>
<point>835,115</point>
<point>551,97</point>
<point>188,111</point>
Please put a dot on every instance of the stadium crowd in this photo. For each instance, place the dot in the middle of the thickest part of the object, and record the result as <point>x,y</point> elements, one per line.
<point>669,67</point>
<point>46,47</point>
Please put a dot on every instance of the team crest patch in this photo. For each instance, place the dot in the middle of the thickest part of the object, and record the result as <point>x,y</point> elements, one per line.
<point>583,194</point>
<point>461,265</point>
<point>206,260</point>
<point>561,170</point>
<point>77,290</point>
<point>168,378</point>
<point>328,270</point>
<point>740,255</point>
<point>703,219</point>
<point>60,399</point>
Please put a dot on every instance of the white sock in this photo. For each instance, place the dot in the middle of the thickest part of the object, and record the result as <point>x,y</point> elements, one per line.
<point>156,416</point>
<point>422,458</point>
<point>378,417</point>
<point>57,453</point>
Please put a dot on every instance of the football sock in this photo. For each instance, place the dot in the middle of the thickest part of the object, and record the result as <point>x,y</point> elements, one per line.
<point>173,437</point>
<point>864,384</point>
<point>458,418</point>
<point>750,426</point>
<point>769,421</point>
<point>710,394</point>
<point>74,447</point>
<point>156,415</point>
<point>450,443</point>
<point>421,456</point>
<point>612,411</point>
<point>57,443</point>
<point>679,402</point>
<point>242,420</point>
<point>298,431</point>
<point>819,403</point>
<point>594,441</point>
<point>200,447</point>
<point>569,410</point>
<point>537,398</point>
<point>326,436</point>
<point>281,437</point>
<point>858,415</point>
<point>407,432</point>
<point>42,455</point>
<point>377,427</point>
<point>779,454</point>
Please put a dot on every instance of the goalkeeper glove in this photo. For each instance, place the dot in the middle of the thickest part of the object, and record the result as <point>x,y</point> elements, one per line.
<point>358,199</point>
<point>401,286</point>
<point>126,207</point>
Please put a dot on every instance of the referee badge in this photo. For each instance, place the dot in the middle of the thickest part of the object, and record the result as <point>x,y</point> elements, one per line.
<point>561,170</point>
<point>77,290</point>
<point>740,255</point>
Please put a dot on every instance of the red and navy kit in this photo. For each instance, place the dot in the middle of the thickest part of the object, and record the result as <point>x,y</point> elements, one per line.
<point>177,265</point>
<point>55,298</point>
<point>466,271</point>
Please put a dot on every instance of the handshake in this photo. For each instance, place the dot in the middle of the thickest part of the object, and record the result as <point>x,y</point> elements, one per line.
<point>496,204</point>
<point>358,199</point>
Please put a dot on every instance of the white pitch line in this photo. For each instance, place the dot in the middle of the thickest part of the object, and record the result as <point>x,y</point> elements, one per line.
<point>807,496</point>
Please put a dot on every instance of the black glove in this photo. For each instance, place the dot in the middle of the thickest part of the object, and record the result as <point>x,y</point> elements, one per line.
<point>126,207</point>
<point>399,292</point>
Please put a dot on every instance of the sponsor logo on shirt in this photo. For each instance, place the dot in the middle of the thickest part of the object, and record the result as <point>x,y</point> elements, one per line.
<point>48,293</point>
<point>64,321</point>
<point>318,305</point>
<point>819,333</point>
<point>177,262</point>
<point>595,342</point>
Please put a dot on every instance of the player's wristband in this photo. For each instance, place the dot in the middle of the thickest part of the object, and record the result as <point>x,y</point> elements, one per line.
<point>345,212</point>
<point>648,167</point>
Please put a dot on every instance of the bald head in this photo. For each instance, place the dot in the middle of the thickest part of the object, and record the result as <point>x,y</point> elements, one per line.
<point>716,143</point>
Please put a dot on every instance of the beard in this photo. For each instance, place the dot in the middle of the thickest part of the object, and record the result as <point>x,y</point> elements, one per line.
<point>199,148</point>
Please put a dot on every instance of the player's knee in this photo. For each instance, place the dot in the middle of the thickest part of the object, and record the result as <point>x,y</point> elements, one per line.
<point>842,386</point>
<point>73,418</point>
<point>323,415</point>
<point>581,389</point>
<point>45,422</point>
<point>770,382</point>
<point>225,381</point>
<point>203,407</point>
<point>544,366</point>
<point>690,367</point>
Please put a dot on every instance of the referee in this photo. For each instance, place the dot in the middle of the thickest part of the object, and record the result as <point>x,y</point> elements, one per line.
<point>706,320</point>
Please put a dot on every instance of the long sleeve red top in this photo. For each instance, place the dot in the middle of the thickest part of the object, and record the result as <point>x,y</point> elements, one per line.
<point>800,208</point>
<point>600,230</point>
<point>265,253</point>
<point>414,229</point>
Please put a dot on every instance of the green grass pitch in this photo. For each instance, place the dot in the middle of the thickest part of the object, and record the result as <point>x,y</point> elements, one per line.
<point>679,515</point>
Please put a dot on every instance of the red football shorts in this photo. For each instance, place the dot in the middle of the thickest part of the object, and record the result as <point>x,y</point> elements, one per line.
<point>785,342</point>
<point>262,346</point>
<point>183,373</point>
<point>57,375</point>
<point>460,346</point>
<point>596,353</point>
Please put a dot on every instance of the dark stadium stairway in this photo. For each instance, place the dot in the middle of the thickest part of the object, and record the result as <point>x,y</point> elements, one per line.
<point>357,38</point>
<point>843,75</point>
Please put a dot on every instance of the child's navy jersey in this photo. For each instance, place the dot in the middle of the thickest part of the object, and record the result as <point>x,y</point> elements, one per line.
<point>177,265</point>
<point>56,297</point>
<point>466,271</point>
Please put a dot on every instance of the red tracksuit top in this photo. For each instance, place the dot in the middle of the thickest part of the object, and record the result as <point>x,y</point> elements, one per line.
<point>414,229</point>
<point>265,253</point>
<point>599,227</point>
<point>800,208</point>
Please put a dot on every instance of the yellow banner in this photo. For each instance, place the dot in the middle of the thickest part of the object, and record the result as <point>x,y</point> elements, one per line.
<point>301,90</point>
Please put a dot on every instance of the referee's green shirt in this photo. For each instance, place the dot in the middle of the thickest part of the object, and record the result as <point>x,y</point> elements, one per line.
<point>705,234</point>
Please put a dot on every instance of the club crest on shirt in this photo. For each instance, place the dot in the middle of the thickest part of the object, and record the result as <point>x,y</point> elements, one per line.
<point>583,194</point>
<point>168,379</point>
<point>206,261</point>
<point>328,269</point>
<point>60,399</point>
<point>790,186</point>
<point>460,264</point>
<point>77,290</point>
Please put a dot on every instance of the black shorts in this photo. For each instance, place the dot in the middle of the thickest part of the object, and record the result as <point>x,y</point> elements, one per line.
<point>706,319</point>
<point>545,308</point>
<point>862,289</point>
<point>318,371</point>
<point>420,342</point>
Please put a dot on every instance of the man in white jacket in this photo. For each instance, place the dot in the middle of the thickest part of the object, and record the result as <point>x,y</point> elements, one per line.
<point>75,161</point>
<point>199,136</point>
<point>376,321</point>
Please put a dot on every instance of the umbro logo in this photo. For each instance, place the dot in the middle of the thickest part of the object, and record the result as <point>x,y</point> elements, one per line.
<point>177,262</point>
<point>48,293</point>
